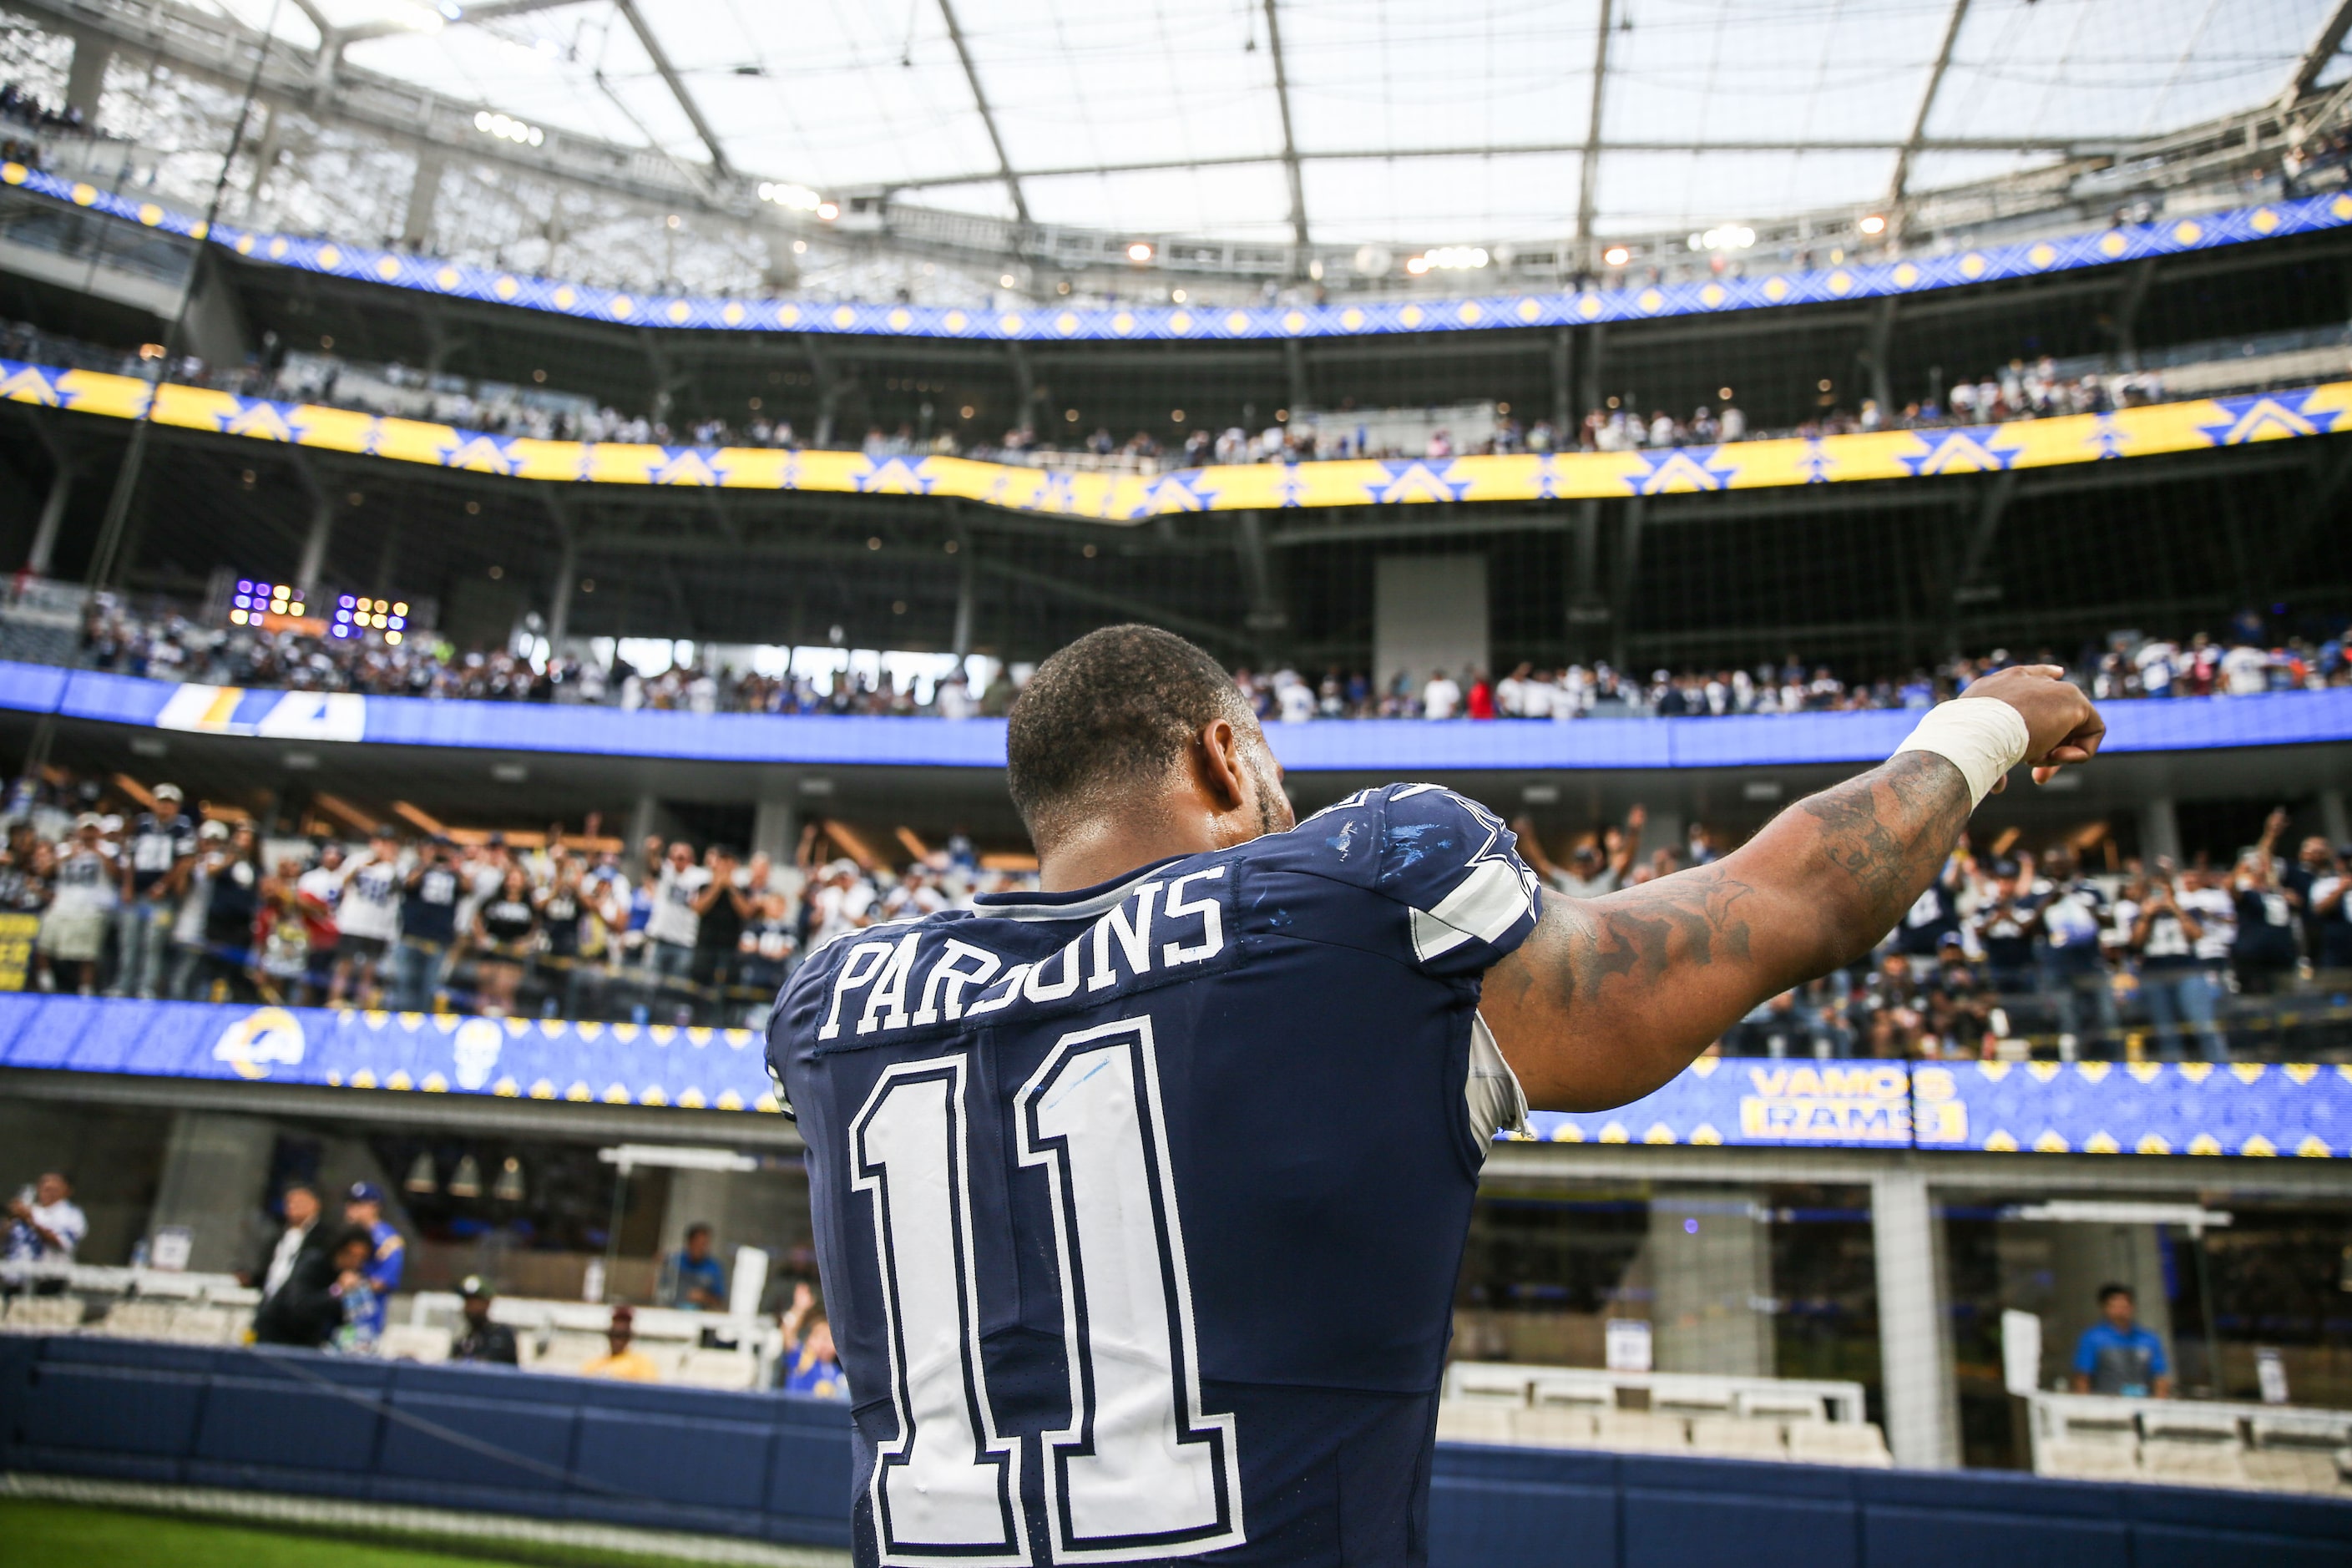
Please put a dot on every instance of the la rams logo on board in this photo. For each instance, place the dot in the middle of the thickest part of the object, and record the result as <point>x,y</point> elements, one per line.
<point>475,1048</point>
<point>1681,471</point>
<point>263,1038</point>
<point>1962,451</point>
<point>280,715</point>
<point>2271,416</point>
<point>1417,481</point>
<point>893,477</point>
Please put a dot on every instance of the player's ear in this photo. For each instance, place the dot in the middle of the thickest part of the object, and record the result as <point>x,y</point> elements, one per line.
<point>1221,770</point>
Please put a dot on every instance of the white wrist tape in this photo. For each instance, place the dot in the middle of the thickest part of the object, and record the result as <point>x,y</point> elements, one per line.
<point>1981,736</point>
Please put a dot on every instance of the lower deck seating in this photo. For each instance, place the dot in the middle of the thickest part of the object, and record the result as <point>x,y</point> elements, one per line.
<point>2192,1443</point>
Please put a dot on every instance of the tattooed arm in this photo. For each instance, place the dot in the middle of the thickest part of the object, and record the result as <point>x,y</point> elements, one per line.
<point>1611,997</point>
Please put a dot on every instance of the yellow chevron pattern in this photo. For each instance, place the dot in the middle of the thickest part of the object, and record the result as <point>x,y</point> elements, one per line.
<point>1127,498</point>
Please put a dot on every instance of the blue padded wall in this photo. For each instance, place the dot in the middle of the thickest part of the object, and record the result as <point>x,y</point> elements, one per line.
<point>775,1467</point>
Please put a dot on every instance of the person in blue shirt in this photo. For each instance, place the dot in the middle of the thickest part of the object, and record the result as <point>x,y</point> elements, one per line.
<point>387,1255</point>
<point>810,1364</point>
<point>2118,1356</point>
<point>697,1281</point>
<point>1140,1201</point>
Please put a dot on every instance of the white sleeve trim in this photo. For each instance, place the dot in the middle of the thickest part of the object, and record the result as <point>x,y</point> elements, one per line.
<point>1491,1094</point>
<point>1484,905</point>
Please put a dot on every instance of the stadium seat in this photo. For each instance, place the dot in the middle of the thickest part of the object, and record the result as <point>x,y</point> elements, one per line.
<point>1768,1404</point>
<point>717,1369</point>
<point>2194,1464</point>
<point>43,1315</point>
<point>138,1320</point>
<point>2289,1469</point>
<point>1730,1438</point>
<point>1553,1426</point>
<point>1640,1432</point>
<point>1839,1443</point>
<point>2089,1459</point>
<point>414,1342</point>
<point>1472,1421</point>
<point>1489,1384</point>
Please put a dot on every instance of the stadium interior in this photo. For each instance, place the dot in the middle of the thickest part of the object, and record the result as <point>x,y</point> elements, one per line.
<point>580,449</point>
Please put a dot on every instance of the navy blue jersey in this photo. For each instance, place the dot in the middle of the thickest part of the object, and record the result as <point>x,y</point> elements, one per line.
<point>1139,1208</point>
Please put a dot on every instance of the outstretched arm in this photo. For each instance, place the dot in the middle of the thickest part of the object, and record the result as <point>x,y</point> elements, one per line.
<point>1610,997</point>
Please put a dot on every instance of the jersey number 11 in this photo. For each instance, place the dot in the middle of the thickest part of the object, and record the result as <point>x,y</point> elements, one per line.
<point>1139,1472</point>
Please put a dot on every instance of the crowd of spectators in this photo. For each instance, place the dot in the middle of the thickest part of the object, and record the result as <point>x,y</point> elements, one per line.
<point>2018,389</point>
<point>2239,663</point>
<point>2009,954</point>
<point>21,112</point>
<point>2243,659</point>
<point>139,897</point>
<point>147,902</point>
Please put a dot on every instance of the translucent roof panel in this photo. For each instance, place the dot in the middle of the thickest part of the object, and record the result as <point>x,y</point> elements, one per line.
<point>1416,125</point>
<point>1074,82</point>
<point>1444,201</point>
<point>1645,191</point>
<point>2118,68</point>
<point>1238,202</point>
<point>1385,77</point>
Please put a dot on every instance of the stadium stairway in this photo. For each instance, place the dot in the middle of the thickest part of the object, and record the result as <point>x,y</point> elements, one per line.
<point>778,1468</point>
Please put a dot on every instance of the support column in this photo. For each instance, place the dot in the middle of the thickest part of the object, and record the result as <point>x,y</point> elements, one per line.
<point>1025,385</point>
<point>86,77</point>
<point>1563,393</point>
<point>967,597</point>
<point>1596,346</point>
<point>567,575</point>
<point>1711,1272</point>
<point>53,519</point>
<point>215,1173</point>
<point>314,545</point>
<point>1293,365</point>
<point>1588,600</point>
<point>1873,355</point>
<point>424,196</point>
<point>2160,828</point>
<point>387,555</point>
<point>1628,567</point>
<point>264,160</point>
<point>1915,1344</point>
<point>646,819</point>
<point>2333,821</point>
<point>1268,619</point>
<point>775,827</point>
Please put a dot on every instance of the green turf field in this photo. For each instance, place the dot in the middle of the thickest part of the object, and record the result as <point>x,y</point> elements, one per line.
<point>40,1534</point>
<point>62,1535</point>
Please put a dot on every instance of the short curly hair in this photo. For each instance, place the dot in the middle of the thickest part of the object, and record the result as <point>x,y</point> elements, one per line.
<point>1114,711</point>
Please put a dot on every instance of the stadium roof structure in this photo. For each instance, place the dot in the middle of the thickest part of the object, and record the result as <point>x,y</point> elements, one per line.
<point>1321,122</point>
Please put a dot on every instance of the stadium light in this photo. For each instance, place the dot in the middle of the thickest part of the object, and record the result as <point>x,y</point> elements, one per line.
<point>796,198</point>
<point>506,128</point>
<point>1731,236</point>
<point>828,211</point>
<point>1448,258</point>
<point>1138,252</point>
<point>1874,224</point>
<point>1616,255</point>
